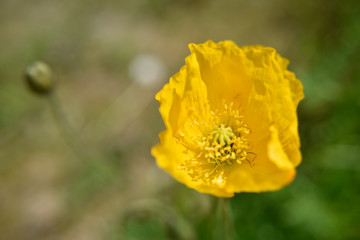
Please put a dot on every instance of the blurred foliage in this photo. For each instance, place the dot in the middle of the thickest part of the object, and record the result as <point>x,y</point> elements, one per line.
<point>47,191</point>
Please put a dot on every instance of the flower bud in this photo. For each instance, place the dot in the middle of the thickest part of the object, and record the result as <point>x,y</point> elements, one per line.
<point>39,77</point>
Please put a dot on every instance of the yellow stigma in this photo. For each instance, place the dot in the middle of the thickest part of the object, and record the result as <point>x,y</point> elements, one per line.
<point>215,141</point>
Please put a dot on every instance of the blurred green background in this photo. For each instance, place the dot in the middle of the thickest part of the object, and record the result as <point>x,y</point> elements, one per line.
<point>110,58</point>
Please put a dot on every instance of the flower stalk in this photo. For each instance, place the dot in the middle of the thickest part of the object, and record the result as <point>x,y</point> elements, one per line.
<point>64,126</point>
<point>227,218</point>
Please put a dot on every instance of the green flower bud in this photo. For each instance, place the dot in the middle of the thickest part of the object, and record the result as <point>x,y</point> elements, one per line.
<point>39,77</point>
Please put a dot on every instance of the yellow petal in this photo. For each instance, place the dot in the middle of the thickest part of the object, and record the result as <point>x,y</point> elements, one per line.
<point>169,155</point>
<point>223,71</point>
<point>274,96</point>
<point>271,171</point>
<point>185,91</point>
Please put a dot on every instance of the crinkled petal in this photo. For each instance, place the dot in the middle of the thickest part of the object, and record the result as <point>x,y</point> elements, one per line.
<point>278,90</point>
<point>271,171</point>
<point>223,71</point>
<point>186,90</point>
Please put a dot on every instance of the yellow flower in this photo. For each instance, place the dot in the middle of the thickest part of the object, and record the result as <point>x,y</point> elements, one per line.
<point>230,118</point>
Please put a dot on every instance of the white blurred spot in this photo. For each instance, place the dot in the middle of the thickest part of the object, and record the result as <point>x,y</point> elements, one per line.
<point>147,70</point>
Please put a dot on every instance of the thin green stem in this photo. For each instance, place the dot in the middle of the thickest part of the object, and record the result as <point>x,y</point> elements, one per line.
<point>227,219</point>
<point>64,126</point>
<point>81,150</point>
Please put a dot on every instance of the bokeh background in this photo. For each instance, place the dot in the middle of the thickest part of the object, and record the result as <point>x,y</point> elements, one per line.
<point>110,58</point>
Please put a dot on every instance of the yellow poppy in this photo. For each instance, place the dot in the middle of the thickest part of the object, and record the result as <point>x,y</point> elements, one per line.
<point>230,118</point>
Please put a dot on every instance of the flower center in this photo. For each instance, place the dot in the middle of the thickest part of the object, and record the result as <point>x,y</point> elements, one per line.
<point>222,146</point>
<point>215,142</point>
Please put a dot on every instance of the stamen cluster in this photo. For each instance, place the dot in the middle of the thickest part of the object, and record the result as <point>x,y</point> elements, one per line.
<point>220,143</point>
<point>223,146</point>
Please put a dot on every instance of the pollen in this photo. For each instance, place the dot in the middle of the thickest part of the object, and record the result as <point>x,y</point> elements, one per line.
<point>217,142</point>
<point>223,146</point>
